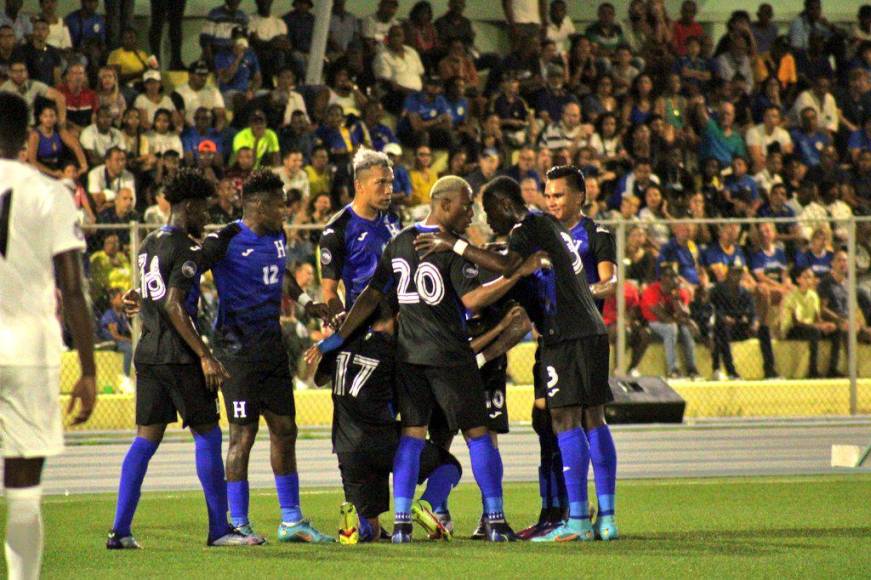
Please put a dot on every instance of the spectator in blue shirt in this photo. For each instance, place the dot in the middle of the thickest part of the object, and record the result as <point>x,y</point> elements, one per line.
<point>694,70</point>
<point>817,257</point>
<point>725,252</point>
<point>335,133</point>
<point>300,25</point>
<point>809,141</point>
<point>776,207</point>
<point>401,178</point>
<point>860,140</point>
<point>379,134</point>
<point>238,71</point>
<point>550,100</point>
<point>85,24</point>
<point>202,130</point>
<point>114,327</point>
<point>680,250</point>
<point>218,31</point>
<point>741,190</point>
<point>427,113</point>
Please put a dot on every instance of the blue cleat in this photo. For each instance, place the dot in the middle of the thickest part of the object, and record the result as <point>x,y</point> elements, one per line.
<point>401,533</point>
<point>302,531</point>
<point>606,528</point>
<point>496,529</point>
<point>569,531</point>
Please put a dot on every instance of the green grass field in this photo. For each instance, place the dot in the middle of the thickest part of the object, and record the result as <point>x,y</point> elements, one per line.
<point>787,527</point>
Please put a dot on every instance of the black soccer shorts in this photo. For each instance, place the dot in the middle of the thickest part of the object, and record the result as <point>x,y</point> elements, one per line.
<point>457,390</point>
<point>366,475</point>
<point>494,375</point>
<point>164,392</point>
<point>257,386</point>
<point>575,372</point>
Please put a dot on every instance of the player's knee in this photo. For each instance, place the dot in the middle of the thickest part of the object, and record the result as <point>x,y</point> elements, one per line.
<point>285,433</point>
<point>242,437</point>
<point>476,432</point>
<point>415,431</point>
<point>540,404</point>
<point>594,417</point>
<point>566,419</point>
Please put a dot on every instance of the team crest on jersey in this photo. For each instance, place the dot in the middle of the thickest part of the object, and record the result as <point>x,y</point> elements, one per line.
<point>470,271</point>
<point>326,256</point>
<point>189,269</point>
<point>391,227</point>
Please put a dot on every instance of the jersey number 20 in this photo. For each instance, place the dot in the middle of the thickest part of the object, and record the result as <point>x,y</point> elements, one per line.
<point>428,283</point>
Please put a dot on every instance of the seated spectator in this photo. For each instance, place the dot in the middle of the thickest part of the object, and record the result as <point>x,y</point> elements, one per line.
<point>153,99</point>
<point>769,264</point>
<point>399,68</point>
<point>623,71</point>
<point>457,164</point>
<point>371,130</point>
<point>422,177</point>
<point>270,41</point>
<point>820,100</point>
<point>107,265</point>
<point>681,251</point>
<point>166,166</point>
<point>48,145</point>
<point>208,162</point>
<point>767,137</point>
<point>221,22</point>
<point>163,136</point>
<point>106,181</point>
<point>735,319</point>
<point>531,194</point>
<point>639,251</point>
<point>318,171</point>
<point>262,141</point>
<point>401,179</point>
<point>114,327</point>
<point>742,197</point>
<point>634,183</point>
<point>860,139</point>
<point>488,168</point>
<point>525,167</point>
<point>81,101</point>
<point>286,97</point>
<point>859,178</point>
<point>292,174</point>
<point>344,91</point>
<point>109,93</point>
<point>99,137</point>
<point>767,95</point>
<point>802,320</point>
<point>426,117</point>
<point>130,60</point>
<point>685,27</point>
<point>20,22</point>
<point>202,131</point>
<point>568,132</point>
<point>421,34</point>
<point>336,134</point>
<point>601,101</point>
<point>725,253</point>
<point>672,105</point>
<point>607,140</point>
<point>552,99</point>
<point>43,61</point>
<point>515,116</point>
<point>854,100</point>
<point>639,103</point>
<point>838,209</point>
<point>810,139</point>
<point>605,33</point>
<point>665,307</point>
<point>20,83</point>
<point>720,140</point>
<point>241,169</point>
<point>318,212</point>
<point>86,24</point>
<point>120,212</point>
<point>7,49</point>
<point>637,332</point>
<point>298,135</point>
<point>735,61</point>
<point>813,214</point>
<point>560,28</point>
<point>376,27</point>
<point>158,214</point>
<point>834,296</point>
<point>229,205</point>
<point>655,209</point>
<point>189,97</point>
<point>818,257</point>
<point>457,63</point>
<point>238,71</point>
<point>140,157</point>
<point>776,207</point>
<point>771,174</point>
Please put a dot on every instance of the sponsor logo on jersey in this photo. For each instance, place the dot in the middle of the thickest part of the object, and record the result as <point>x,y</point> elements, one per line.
<point>326,256</point>
<point>189,269</point>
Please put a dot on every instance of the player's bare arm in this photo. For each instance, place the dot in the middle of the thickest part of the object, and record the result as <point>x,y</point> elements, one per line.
<point>212,369</point>
<point>608,281</point>
<point>292,289</point>
<point>132,302</point>
<point>77,311</point>
<point>511,329</point>
<point>365,305</point>
<point>489,293</point>
<point>330,291</point>
<point>504,264</point>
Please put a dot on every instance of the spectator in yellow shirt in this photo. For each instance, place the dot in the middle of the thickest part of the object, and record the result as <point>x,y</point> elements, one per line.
<point>260,139</point>
<point>422,176</point>
<point>319,175</point>
<point>129,59</point>
<point>801,320</point>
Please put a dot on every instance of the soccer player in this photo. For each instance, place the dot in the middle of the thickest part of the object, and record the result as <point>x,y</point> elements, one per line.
<point>176,372</point>
<point>247,259</point>
<point>574,353</point>
<point>353,240</point>
<point>40,243</point>
<point>366,434</point>
<point>436,367</point>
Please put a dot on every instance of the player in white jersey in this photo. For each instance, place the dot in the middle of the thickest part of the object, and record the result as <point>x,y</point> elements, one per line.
<point>40,242</point>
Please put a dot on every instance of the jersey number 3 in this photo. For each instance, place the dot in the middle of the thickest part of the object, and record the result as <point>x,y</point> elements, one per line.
<point>428,283</point>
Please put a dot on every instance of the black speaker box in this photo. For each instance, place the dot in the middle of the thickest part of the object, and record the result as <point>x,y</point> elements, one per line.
<point>644,400</point>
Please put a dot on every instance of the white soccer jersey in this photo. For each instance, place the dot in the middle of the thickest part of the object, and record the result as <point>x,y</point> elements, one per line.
<point>37,222</point>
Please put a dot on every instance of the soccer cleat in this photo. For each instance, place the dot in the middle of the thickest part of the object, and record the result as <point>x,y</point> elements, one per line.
<point>302,531</point>
<point>537,529</point>
<point>401,533</point>
<point>447,522</point>
<point>605,528</point>
<point>236,538</point>
<point>569,531</point>
<point>247,530</point>
<point>498,530</point>
<point>480,532</point>
<point>422,515</point>
<point>116,542</point>
<point>349,534</point>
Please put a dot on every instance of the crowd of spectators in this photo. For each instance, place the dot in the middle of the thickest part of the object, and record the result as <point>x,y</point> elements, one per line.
<point>666,121</point>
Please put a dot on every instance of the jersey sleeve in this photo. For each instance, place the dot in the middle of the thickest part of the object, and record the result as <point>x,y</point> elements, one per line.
<point>604,245</point>
<point>66,234</point>
<point>464,275</point>
<point>186,264</point>
<point>216,244</point>
<point>332,252</point>
<point>382,280</point>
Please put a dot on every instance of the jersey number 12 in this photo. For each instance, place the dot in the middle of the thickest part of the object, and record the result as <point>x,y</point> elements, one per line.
<point>270,275</point>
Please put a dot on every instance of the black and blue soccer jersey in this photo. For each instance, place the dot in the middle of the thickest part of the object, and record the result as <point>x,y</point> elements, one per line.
<point>248,271</point>
<point>169,258</point>
<point>363,373</point>
<point>569,310</point>
<point>595,244</point>
<point>351,246</point>
<point>432,318</point>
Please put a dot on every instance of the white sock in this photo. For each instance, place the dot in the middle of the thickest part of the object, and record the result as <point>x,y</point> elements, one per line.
<point>23,532</point>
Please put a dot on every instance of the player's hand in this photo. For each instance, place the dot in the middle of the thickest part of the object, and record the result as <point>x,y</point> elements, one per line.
<point>313,356</point>
<point>336,320</point>
<point>318,310</point>
<point>535,262</point>
<point>132,302</point>
<point>427,244</point>
<point>85,392</point>
<point>514,315</point>
<point>214,372</point>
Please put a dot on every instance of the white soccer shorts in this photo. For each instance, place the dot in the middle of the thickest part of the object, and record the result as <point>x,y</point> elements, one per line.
<point>30,418</point>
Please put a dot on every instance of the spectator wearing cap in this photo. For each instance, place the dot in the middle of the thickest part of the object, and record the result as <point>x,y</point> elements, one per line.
<point>376,26</point>
<point>399,68</point>
<point>100,136</point>
<point>86,24</point>
<point>81,101</point>
<point>238,71</point>
<point>401,179</point>
<point>28,89</point>
<point>810,139</point>
<point>552,99</point>
<point>130,60</point>
<point>21,23</point>
<point>292,174</point>
<point>720,139</point>
<point>270,41</point>
<point>372,131</point>
<point>426,116</point>
<point>196,93</point>
<point>260,139</point>
<point>208,162</point>
<point>43,61</point>
<point>153,99</point>
<point>201,132</point>
<point>218,30</point>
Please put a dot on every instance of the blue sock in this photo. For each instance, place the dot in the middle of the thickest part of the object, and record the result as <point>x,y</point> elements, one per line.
<point>365,531</point>
<point>130,487</point>
<point>287,487</point>
<point>440,483</point>
<point>210,470</point>
<point>576,463</point>
<point>442,508</point>
<point>487,468</point>
<point>406,467</point>
<point>237,495</point>
<point>603,455</point>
